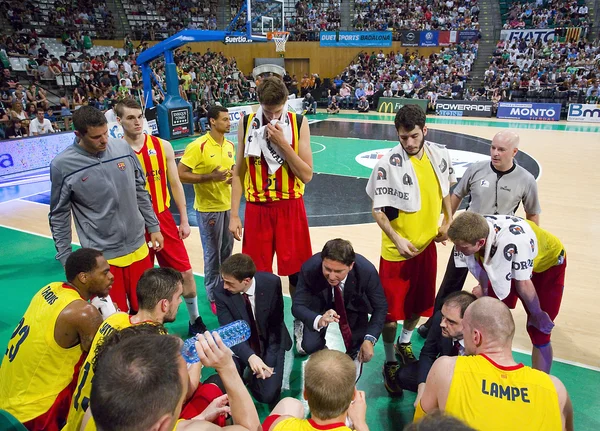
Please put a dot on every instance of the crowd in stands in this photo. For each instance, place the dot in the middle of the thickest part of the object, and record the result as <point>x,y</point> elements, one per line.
<point>550,71</point>
<point>546,14</point>
<point>311,17</point>
<point>408,75</point>
<point>101,81</point>
<point>159,20</point>
<point>416,15</point>
<point>59,17</point>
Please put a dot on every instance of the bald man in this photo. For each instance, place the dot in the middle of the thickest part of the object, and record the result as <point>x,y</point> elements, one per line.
<point>495,187</point>
<point>489,390</point>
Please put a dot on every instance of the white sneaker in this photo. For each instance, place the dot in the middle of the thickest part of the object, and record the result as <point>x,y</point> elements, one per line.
<point>298,334</point>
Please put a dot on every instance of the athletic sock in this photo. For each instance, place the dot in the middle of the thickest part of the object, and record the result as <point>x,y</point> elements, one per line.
<point>405,337</point>
<point>192,307</point>
<point>390,356</point>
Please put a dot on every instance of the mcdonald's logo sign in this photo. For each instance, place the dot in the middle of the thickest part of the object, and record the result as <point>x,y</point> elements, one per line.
<point>390,105</point>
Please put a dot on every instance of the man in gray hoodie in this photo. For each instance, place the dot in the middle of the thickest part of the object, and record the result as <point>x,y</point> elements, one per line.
<point>100,181</point>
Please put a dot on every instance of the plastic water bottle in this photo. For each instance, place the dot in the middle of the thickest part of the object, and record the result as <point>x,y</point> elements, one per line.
<point>232,334</point>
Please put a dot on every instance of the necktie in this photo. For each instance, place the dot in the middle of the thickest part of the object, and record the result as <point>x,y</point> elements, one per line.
<point>340,309</point>
<point>254,339</point>
<point>456,348</point>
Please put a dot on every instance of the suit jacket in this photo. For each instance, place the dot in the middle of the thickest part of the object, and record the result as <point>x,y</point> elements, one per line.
<point>268,311</point>
<point>435,345</point>
<point>363,295</point>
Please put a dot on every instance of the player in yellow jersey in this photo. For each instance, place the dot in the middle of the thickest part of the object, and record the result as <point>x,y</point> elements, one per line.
<point>410,186</point>
<point>207,164</point>
<point>515,258</point>
<point>159,294</point>
<point>489,390</point>
<point>329,389</point>
<point>141,382</point>
<point>157,159</point>
<point>40,366</point>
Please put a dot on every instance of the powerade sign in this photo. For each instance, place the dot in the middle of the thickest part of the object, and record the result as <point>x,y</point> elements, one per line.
<point>463,108</point>
<point>543,35</point>
<point>584,112</point>
<point>355,38</point>
<point>429,38</point>
<point>236,39</point>
<point>529,111</point>
<point>390,105</point>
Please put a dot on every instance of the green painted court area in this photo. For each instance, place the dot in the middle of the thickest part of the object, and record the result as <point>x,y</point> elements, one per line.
<point>28,264</point>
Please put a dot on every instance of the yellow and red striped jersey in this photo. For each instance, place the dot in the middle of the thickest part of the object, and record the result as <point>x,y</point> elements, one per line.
<point>154,162</point>
<point>283,184</point>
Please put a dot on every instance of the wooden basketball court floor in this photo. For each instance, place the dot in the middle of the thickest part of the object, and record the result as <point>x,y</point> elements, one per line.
<point>568,155</point>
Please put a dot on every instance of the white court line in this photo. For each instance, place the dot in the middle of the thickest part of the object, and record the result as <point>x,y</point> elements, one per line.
<point>321,150</point>
<point>50,237</point>
<point>564,361</point>
<point>26,196</point>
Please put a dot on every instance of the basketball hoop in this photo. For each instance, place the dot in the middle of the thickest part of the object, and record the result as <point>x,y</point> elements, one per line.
<point>280,38</point>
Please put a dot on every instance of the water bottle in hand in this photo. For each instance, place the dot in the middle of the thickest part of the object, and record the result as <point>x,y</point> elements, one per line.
<point>232,334</point>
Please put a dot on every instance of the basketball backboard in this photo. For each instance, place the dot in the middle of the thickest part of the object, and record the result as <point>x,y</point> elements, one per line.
<point>266,16</point>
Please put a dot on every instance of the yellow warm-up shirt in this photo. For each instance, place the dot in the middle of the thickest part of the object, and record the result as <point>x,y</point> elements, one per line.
<point>551,251</point>
<point>35,369</point>
<point>295,424</point>
<point>128,259</point>
<point>489,397</point>
<point>420,227</point>
<point>202,156</point>
<point>81,397</point>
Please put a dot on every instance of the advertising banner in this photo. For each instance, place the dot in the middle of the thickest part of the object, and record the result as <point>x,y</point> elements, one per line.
<point>36,152</point>
<point>465,35</point>
<point>464,108</point>
<point>180,122</point>
<point>584,112</point>
<point>428,38</point>
<point>356,38</point>
<point>543,35</point>
<point>529,111</point>
<point>390,105</point>
<point>236,114</point>
<point>409,38</point>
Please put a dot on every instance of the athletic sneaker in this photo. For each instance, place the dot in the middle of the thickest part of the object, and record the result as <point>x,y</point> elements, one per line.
<point>404,352</point>
<point>390,370</point>
<point>198,327</point>
<point>298,334</point>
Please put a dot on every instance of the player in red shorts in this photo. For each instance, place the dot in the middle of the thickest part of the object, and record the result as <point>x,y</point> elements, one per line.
<point>158,163</point>
<point>409,187</point>
<point>512,257</point>
<point>273,163</point>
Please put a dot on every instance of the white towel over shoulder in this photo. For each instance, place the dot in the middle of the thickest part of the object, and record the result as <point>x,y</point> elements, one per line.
<point>257,142</point>
<point>393,182</point>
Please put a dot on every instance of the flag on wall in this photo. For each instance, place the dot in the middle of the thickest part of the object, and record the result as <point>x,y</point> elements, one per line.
<point>573,34</point>
<point>447,38</point>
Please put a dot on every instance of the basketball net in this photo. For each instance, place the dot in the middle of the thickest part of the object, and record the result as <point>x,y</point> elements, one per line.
<point>280,38</point>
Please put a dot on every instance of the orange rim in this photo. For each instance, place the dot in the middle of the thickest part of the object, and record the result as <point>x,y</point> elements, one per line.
<point>276,33</point>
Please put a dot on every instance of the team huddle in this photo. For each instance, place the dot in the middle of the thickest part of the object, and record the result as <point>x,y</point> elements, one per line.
<point>92,352</point>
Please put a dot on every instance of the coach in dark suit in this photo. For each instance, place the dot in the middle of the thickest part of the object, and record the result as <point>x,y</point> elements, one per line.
<point>337,268</point>
<point>255,297</point>
<point>444,339</point>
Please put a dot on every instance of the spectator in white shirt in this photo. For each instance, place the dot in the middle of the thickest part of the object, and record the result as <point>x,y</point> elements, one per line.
<point>40,125</point>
